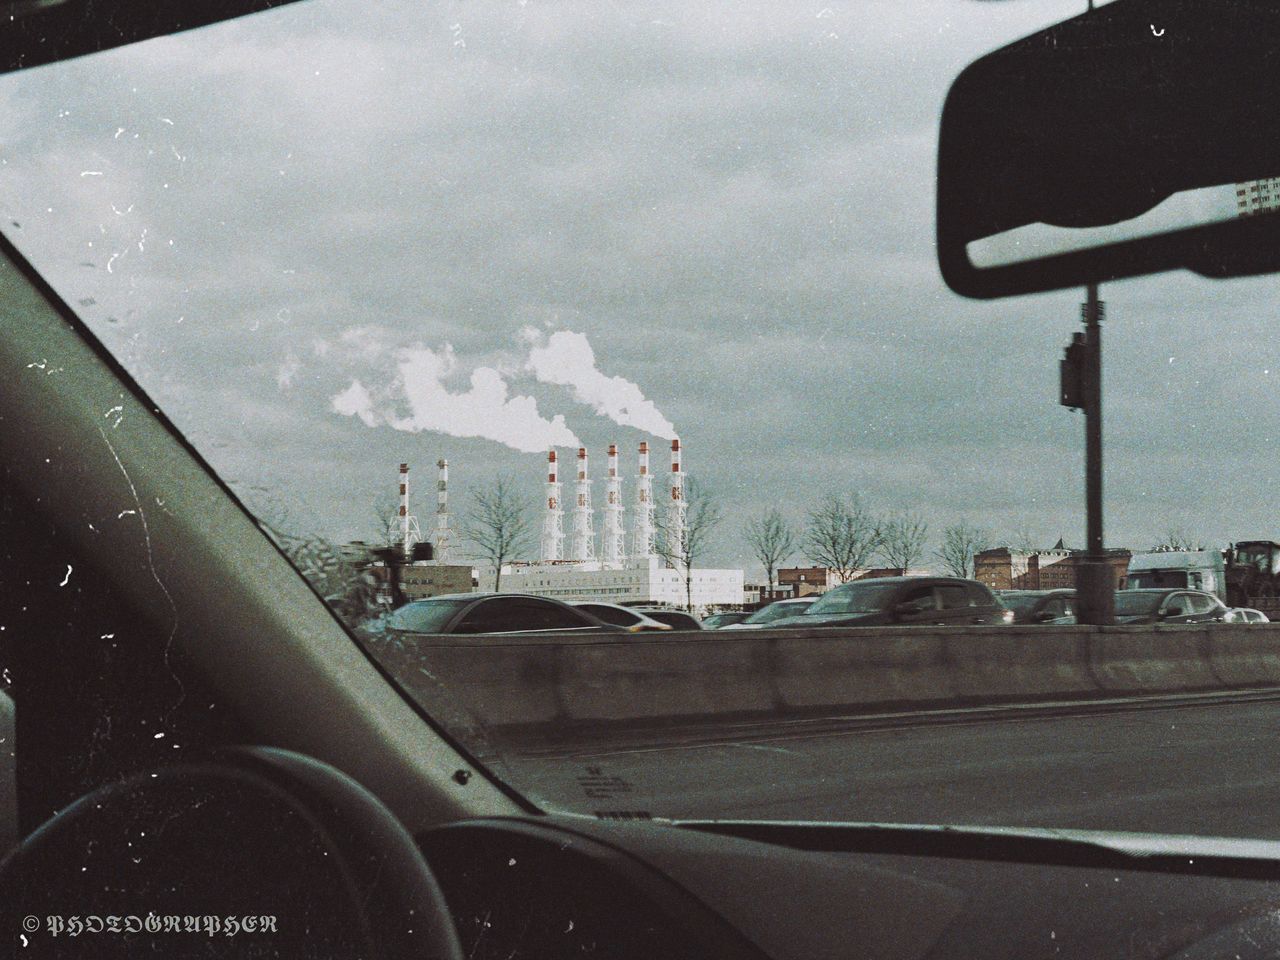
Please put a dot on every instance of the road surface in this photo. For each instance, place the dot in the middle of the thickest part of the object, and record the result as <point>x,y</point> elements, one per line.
<point>1199,769</point>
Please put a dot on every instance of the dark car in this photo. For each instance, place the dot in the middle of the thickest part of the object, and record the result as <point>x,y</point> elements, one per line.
<point>1039,606</point>
<point>1168,606</point>
<point>631,619</point>
<point>935,601</point>
<point>715,621</point>
<point>773,614</point>
<point>675,619</point>
<point>492,613</point>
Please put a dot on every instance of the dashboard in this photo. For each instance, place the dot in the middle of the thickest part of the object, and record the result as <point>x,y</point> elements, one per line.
<point>566,887</point>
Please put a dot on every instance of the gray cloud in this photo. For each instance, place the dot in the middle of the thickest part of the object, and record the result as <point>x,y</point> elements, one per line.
<point>734,204</point>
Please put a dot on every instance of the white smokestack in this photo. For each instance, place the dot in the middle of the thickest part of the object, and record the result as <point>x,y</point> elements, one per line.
<point>613,540</point>
<point>552,524</point>
<point>409,533</point>
<point>642,537</point>
<point>676,508</point>
<point>443,535</point>
<point>584,545</point>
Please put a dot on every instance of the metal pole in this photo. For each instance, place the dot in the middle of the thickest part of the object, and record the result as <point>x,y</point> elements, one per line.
<point>1095,581</point>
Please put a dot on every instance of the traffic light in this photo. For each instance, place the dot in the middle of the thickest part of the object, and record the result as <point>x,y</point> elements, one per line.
<point>1072,373</point>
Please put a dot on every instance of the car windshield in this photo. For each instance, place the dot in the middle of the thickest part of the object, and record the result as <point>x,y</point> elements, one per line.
<point>1020,603</point>
<point>1157,579</point>
<point>853,598</point>
<point>777,611</point>
<point>641,304</point>
<point>425,616</point>
<point>1132,603</point>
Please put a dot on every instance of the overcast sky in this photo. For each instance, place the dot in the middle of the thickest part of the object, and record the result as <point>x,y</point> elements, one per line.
<point>341,235</point>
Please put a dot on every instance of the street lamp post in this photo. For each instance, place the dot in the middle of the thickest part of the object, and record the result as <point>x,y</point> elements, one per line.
<point>1082,389</point>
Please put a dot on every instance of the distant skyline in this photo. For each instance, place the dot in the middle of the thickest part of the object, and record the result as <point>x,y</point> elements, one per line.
<point>335,237</point>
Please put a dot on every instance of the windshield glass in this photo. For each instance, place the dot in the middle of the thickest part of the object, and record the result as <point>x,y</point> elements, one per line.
<point>1157,579</point>
<point>1132,604</point>
<point>854,598</point>
<point>778,611</point>
<point>425,616</point>
<point>640,304</point>
<point>1020,603</point>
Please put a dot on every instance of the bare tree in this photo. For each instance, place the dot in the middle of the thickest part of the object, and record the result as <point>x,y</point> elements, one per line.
<point>960,542</point>
<point>681,549</point>
<point>772,539</point>
<point>1022,541</point>
<point>1176,538</point>
<point>386,524</point>
<point>498,523</point>
<point>902,539</point>
<point>842,535</point>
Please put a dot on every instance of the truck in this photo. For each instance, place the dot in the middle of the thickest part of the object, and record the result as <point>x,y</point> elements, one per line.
<point>1253,574</point>
<point>1186,569</point>
<point>1246,574</point>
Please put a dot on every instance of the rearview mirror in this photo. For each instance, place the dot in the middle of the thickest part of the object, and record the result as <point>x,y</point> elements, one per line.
<point>46,31</point>
<point>1138,137</point>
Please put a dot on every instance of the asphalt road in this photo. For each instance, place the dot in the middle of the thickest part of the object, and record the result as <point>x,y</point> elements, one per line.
<point>1196,769</point>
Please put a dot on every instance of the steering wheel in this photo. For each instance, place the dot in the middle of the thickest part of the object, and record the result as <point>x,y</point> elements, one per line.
<point>255,852</point>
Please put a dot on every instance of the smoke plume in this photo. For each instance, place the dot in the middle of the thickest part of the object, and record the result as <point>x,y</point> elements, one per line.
<point>566,359</point>
<point>487,410</point>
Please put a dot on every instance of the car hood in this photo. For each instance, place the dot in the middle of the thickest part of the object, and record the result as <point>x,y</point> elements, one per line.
<point>1136,618</point>
<point>835,619</point>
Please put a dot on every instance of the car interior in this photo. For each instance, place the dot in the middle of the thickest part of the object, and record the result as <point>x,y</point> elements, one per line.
<point>198,759</point>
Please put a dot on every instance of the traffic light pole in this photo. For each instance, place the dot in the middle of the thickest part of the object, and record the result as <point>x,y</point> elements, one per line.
<point>1095,579</point>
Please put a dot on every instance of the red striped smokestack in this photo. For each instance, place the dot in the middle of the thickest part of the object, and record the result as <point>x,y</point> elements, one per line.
<point>551,467</point>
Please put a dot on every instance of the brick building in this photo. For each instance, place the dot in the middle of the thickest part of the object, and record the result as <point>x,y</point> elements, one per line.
<point>1004,569</point>
<point>804,581</point>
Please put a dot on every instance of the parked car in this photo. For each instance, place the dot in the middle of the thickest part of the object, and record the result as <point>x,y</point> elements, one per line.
<point>715,621</point>
<point>1245,615</point>
<point>1168,606</point>
<point>1039,606</point>
<point>629,618</point>
<point>675,619</point>
<point>941,601</point>
<point>773,614</point>
<point>493,613</point>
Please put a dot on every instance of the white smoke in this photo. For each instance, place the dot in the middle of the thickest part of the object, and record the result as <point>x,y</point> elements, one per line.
<point>486,410</point>
<point>567,360</point>
<point>356,402</point>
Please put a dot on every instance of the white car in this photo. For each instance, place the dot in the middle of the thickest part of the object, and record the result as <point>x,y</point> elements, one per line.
<point>1245,615</point>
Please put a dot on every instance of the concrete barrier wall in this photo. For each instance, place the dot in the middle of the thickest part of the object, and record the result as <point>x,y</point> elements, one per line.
<point>607,680</point>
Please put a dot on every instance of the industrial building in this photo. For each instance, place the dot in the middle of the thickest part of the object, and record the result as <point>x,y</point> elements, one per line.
<point>649,581</point>
<point>610,567</point>
<point>615,570</point>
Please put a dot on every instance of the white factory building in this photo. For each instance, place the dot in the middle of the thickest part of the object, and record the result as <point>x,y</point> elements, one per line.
<point>652,581</point>
<point>619,566</point>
